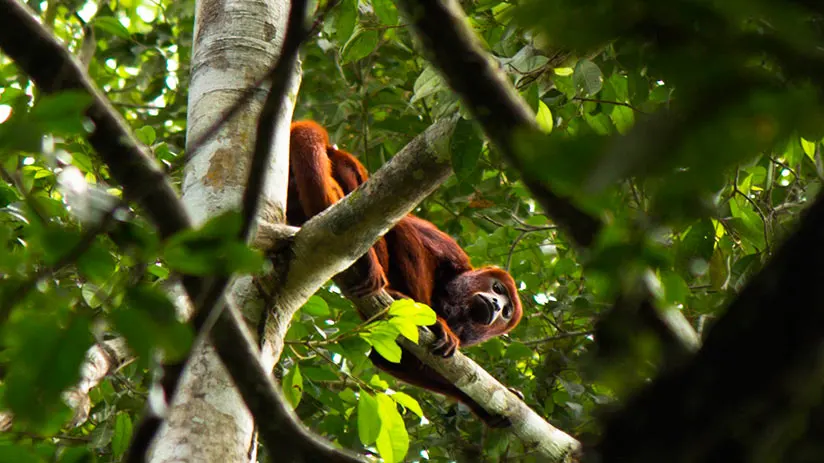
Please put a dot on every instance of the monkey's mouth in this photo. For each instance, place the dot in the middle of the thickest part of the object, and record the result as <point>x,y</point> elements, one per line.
<point>482,310</point>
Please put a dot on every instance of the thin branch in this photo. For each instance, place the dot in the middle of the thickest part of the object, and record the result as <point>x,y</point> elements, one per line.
<point>571,334</point>
<point>616,103</point>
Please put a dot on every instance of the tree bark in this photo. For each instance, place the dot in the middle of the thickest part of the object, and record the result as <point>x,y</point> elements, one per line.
<point>235,43</point>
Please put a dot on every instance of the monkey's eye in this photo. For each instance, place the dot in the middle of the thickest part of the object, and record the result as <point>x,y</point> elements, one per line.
<point>507,313</point>
<point>499,288</point>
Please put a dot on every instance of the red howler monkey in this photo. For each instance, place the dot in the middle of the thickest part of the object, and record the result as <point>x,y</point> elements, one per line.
<point>414,258</point>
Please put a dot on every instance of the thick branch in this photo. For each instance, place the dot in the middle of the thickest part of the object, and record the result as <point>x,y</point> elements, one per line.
<point>756,377</point>
<point>444,31</point>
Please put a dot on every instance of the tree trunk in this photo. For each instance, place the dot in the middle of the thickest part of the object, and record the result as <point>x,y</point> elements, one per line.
<point>235,43</point>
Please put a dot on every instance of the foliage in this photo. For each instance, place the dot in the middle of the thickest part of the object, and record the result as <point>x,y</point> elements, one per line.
<point>692,129</point>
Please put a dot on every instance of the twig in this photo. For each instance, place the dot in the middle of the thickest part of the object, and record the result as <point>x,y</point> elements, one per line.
<point>556,337</point>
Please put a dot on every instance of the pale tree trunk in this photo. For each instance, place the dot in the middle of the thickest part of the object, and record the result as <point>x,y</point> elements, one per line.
<point>235,43</point>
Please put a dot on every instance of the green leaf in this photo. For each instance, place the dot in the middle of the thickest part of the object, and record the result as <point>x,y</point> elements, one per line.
<point>96,263</point>
<point>385,11</point>
<point>675,288</point>
<point>46,351</point>
<point>317,307</point>
<point>518,351</point>
<point>111,25</point>
<point>384,345</point>
<point>345,18</point>
<point>544,117</point>
<point>408,402</point>
<point>393,440</point>
<point>407,328</point>
<point>587,77</point>
<point>416,312</point>
<point>148,320</point>
<point>214,249</point>
<point>427,84</point>
<point>146,134</point>
<point>122,434</point>
<point>748,223</point>
<point>623,118</point>
<point>360,45</point>
<point>369,421</point>
<point>809,148</point>
<point>62,113</point>
<point>75,455</point>
<point>56,243</point>
<point>600,123</point>
<point>698,243</point>
<point>376,382</point>
<point>22,453</point>
<point>465,145</point>
<point>293,386</point>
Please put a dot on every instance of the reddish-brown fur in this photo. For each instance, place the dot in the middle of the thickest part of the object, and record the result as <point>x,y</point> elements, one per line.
<point>414,260</point>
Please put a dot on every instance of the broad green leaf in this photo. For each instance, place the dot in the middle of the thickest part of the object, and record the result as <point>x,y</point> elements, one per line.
<point>62,113</point>
<point>407,402</point>
<point>385,11</point>
<point>213,249</point>
<point>46,353</point>
<point>517,351</point>
<point>146,134</point>
<point>600,123</point>
<point>316,307</point>
<point>18,453</point>
<point>623,118</point>
<point>148,320</point>
<point>588,77</point>
<point>427,84</point>
<point>544,117</point>
<point>293,386</point>
<point>96,263</point>
<point>369,421</point>
<point>385,346</point>
<point>122,434</point>
<point>747,222</point>
<point>675,288</point>
<point>111,25</point>
<point>393,440</point>
<point>360,45</point>
<point>56,243</point>
<point>75,455</point>
<point>345,19</point>
<point>465,145</point>
<point>406,327</point>
<point>809,148</point>
<point>376,382</point>
<point>416,312</point>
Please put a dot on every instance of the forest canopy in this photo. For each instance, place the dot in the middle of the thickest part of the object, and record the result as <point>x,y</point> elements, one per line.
<point>658,215</point>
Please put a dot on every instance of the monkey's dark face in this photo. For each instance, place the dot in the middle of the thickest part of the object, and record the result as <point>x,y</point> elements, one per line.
<point>482,304</point>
